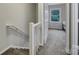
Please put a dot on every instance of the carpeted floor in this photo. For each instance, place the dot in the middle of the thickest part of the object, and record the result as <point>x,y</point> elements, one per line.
<point>55,44</point>
<point>14,51</point>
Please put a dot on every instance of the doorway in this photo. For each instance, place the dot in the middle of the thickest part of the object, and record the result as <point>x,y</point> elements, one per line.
<point>56,29</point>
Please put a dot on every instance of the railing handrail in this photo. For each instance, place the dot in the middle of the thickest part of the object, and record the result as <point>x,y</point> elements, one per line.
<point>13,27</point>
<point>33,33</point>
<point>36,24</point>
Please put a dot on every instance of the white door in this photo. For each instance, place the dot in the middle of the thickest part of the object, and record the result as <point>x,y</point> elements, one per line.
<point>44,23</point>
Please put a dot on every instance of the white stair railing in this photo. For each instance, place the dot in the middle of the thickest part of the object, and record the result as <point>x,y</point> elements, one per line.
<point>34,39</point>
<point>12,27</point>
<point>17,38</point>
<point>34,36</point>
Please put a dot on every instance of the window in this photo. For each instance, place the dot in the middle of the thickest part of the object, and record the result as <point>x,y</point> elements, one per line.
<point>55,15</point>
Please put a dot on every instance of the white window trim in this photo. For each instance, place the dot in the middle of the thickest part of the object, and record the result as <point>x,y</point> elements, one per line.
<point>59,15</point>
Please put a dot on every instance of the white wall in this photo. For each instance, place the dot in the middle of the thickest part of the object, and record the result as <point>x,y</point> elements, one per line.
<point>63,14</point>
<point>3,38</point>
<point>63,10</point>
<point>18,15</point>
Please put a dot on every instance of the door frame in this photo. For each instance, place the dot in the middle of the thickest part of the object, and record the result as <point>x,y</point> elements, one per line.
<point>40,19</point>
<point>67,49</point>
<point>74,28</point>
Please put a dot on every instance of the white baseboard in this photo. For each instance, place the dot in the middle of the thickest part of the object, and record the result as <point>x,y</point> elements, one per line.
<point>4,50</point>
<point>67,51</point>
<point>13,47</point>
<point>74,50</point>
<point>19,47</point>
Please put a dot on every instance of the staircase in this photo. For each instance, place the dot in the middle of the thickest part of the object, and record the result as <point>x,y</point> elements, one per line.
<point>15,51</point>
<point>20,43</point>
<point>17,38</point>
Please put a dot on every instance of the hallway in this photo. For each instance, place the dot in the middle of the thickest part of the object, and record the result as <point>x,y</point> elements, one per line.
<point>55,43</point>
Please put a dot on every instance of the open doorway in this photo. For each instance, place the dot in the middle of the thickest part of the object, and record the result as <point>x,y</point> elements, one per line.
<point>56,29</point>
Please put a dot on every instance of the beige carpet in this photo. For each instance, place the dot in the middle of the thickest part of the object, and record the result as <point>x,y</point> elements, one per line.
<point>55,44</point>
<point>14,51</point>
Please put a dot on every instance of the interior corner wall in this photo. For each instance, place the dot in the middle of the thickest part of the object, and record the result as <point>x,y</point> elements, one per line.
<point>20,15</point>
<point>3,38</point>
<point>17,14</point>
